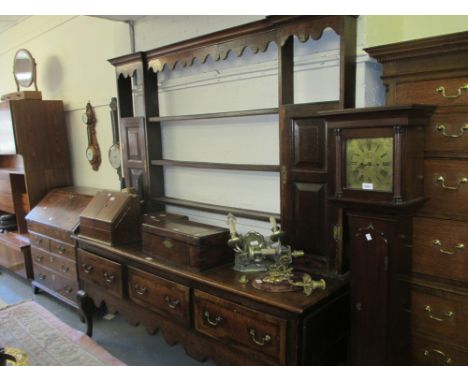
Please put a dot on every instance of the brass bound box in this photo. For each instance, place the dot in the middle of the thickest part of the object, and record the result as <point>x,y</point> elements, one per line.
<point>193,245</point>
<point>111,217</point>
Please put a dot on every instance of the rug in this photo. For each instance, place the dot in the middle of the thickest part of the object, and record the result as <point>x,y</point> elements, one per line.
<point>47,340</point>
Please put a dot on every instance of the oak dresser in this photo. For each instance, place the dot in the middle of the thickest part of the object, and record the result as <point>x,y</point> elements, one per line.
<point>435,71</point>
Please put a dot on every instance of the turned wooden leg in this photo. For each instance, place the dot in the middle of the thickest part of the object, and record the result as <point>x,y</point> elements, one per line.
<point>86,305</point>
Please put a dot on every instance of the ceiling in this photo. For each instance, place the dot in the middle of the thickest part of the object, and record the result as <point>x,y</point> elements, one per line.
<point>7,21</point>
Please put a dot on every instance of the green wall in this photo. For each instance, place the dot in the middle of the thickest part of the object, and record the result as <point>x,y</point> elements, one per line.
<point>380,30</point>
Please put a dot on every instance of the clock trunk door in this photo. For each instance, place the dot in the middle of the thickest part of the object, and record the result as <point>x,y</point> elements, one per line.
<point>369,239</point>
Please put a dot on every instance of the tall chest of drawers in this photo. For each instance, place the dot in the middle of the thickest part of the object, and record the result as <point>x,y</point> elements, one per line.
<point>51,224</point>
<point>435,71</point>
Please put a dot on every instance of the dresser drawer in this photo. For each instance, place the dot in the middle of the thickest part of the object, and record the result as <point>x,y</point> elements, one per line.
<point>446,185</point>
<point>39,241</point>
<point>63,249</point>
<point>54,262</point>
<point>232,323</point>
<point>163,296</point>
<point>429,352</point>
<point>440,314</point>
<point>66,287</point>
<point>100,271</point>
<point>440,248</point>
<point>447,132</point>
<point>427,92</point>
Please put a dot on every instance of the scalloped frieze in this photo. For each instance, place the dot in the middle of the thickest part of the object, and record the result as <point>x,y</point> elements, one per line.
<point>257,42</point>
<point>127,70</point>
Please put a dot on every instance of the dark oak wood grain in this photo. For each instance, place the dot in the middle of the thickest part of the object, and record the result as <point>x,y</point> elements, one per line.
<point>433,70</point>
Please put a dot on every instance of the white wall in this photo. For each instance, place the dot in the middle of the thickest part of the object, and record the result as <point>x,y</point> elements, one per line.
<point>238,83</point>
<point>71,54</point>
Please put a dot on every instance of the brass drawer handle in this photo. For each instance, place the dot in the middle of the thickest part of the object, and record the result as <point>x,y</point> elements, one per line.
<point>38,240</point>
<point>65,269</point>
<point>108,278</point>
<point>441,91</point>
<point>440,179</point>
<point>173,304</point>
<point>139,290</point>
<point>441,129</point>
<point>428,310</point>
<point>68,289</point>
<point>61,250</point>
<point>39,258</point>
<point>42,276</point>
<point>87,268</point>
<point>447,360</point>
<point>215,322</point>
<point>263,341</point>
<point>51,259</point>
<point>458,247</point>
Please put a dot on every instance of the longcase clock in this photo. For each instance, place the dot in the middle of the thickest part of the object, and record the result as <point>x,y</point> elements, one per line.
<point>378,183</point>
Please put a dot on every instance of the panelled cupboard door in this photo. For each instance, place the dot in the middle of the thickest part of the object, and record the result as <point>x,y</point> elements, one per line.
<point>306,215</point>
<point>134,165</point>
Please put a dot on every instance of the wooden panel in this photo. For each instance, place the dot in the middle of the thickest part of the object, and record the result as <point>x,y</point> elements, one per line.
<point>440,314</point>
<point>6,197</point>
<point>56,283</point>
<point>451,201</point>
<point>308,232</point>
<point>447,133</point>
<point>309,143</point>
<point>425,92</point>
<point>13,257</point>
<point>440,248</point>
<point>232,323</point>
<point>428,352</point>
<point>62,266</point>
<point>163,296</point>
<point>101,272</point>
<point>39,241</point>
<point>133,143</point>
<point>63,249</point>
<point>369,240</point>
<point>7,143</point>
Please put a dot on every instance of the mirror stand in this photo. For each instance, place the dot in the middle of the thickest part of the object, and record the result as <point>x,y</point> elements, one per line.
<point>24,72</point>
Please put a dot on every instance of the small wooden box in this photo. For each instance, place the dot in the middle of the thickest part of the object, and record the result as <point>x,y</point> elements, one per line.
<point>193,245</point>
<point>112,217</point>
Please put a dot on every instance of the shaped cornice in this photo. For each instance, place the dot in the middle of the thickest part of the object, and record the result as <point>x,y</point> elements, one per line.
<point>256,36</point>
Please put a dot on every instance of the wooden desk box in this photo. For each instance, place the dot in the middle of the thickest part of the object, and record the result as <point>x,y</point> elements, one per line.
<point>189,244</point>
<point>111,217</point>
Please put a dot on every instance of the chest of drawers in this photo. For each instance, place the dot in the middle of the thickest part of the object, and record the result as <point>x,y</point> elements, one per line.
<point>51,224</point>
<point>435,71</point>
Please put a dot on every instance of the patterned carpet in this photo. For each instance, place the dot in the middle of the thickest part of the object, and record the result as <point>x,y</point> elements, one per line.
<point>47,340</point>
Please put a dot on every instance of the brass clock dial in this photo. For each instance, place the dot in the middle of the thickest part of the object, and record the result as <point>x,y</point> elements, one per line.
<point>93,153</point>
<point>369,164</point>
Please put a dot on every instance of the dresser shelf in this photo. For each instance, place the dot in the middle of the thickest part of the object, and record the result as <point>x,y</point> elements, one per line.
<point>225,114</point>
<point>239,212</point>
<point>217,166</point>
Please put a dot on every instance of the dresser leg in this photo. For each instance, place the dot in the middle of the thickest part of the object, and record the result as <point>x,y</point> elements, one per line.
<point>86,305</point>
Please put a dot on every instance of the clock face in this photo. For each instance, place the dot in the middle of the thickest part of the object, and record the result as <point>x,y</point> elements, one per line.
<point>114,156</point>
<point>369,164</point>
<point>90,153</point>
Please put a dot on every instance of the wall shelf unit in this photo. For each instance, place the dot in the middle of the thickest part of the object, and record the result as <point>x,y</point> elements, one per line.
<point>143,160</point>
